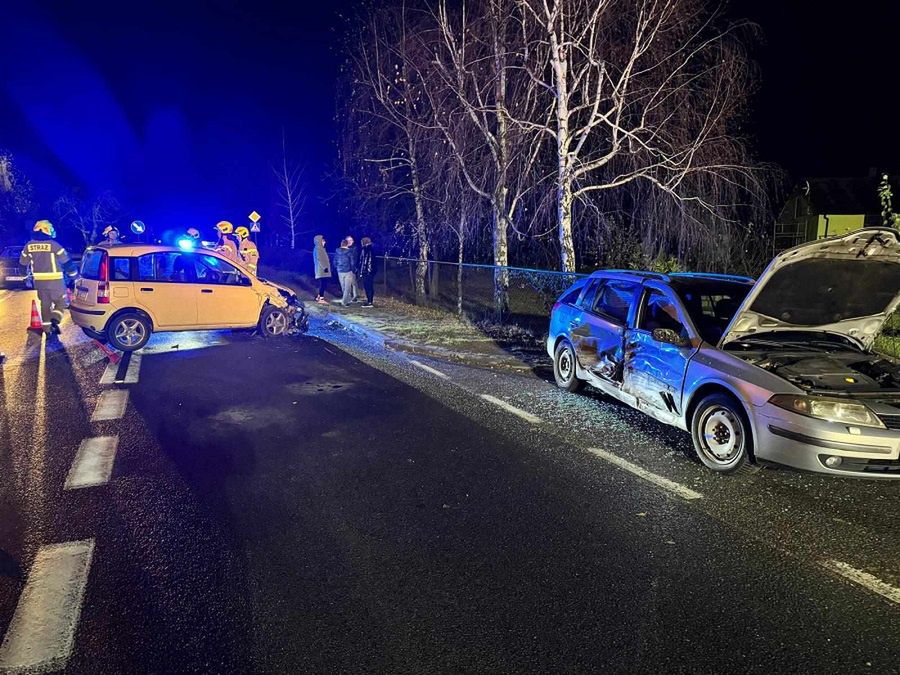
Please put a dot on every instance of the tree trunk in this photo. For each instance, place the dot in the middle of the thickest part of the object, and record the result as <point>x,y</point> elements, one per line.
<point>564,174</point>
<point>501,260</point>
<point>501,189</point>
<point>459,269</point>
<point>564,216</point>
<point>421,229</point>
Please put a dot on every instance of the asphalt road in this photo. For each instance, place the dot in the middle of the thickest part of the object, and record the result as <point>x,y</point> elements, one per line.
<point>323,505</point>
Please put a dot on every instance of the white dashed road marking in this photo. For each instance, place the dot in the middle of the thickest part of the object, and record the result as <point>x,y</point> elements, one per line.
<point>864,579</point>
<point>664,483</point>
<point>429,369</point>
<point>93,463</point>
<point>42,631</point>
<point>518,412</point>
<point>111,405</point>
<point>131,375</point>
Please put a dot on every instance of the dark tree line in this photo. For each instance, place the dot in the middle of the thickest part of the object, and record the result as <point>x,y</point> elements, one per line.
<point>559,132</point>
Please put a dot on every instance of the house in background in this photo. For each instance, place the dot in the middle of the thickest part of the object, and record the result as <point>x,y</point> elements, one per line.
<point>824,207</point>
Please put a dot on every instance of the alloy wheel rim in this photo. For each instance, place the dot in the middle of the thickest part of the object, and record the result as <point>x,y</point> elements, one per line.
<point>276,323</point>
<point>722,435</point>
<point>130,332</point>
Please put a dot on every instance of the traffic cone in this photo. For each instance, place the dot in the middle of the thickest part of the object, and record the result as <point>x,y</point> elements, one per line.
<point>36,323</point>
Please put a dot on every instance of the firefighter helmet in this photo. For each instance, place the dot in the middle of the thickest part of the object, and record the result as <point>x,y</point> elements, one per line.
<point>46,227</point>
<point>242,232</point>
<point>224,227</point>
<point>193,233</point>
<point>110,228</point>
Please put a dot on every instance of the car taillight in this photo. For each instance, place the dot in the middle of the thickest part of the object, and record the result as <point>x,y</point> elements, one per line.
<point>103,285</point>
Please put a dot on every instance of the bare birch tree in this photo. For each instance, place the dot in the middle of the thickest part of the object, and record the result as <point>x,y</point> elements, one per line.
<point>642,92</point>
<point>291,193</point>
<point>482,88</point>
<point>387,103</point>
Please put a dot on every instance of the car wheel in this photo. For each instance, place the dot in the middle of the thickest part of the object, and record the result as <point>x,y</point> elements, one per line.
<point>273,322</point>
<point>128,332</point>
<point>721,433</point>
<point>564,371</point>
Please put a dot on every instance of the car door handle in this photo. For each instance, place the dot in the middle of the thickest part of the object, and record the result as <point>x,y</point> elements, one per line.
<point>148,290</point>
<point>206,290</point>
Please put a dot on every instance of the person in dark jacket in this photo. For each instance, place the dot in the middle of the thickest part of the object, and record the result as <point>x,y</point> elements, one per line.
<point>343,265</point>
<point>322,267</point>
<point>366,271</point>
<point>354,265</point>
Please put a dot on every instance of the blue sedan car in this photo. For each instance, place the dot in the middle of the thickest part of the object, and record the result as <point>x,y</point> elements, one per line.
<point>781,369</point>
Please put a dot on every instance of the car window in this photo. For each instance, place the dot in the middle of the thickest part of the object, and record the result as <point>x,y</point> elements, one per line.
<point>213,270</point>
<point>571,295</point>
<point>90,264</point>
<point>711,309</point>
<point>614,300</point>
<point>587,300</point>
<point>121,269</point>
<point>169,267</point>
<point>658,311</point>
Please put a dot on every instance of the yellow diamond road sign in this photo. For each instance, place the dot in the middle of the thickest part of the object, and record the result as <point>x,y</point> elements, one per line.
<point>254,216</point>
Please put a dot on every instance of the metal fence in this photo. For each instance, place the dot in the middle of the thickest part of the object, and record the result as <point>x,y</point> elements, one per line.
<point>469,288</point>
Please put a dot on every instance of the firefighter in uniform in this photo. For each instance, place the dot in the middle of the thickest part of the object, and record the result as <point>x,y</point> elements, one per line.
<point>227,244</point>
<point>248,249</point>
<point>50,268</point>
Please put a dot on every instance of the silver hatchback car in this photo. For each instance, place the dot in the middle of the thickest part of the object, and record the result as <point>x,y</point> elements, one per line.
<point>781,369</point>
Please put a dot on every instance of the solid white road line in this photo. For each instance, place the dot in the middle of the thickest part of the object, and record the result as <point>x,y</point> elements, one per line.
<point>429,369</point>
<point>93,463</point>
<point>864,579</point>
<point>131,375</point>
<point>111,405</point>
<point>664,483</point>
<point>42,631</point>
<point>518,412</point>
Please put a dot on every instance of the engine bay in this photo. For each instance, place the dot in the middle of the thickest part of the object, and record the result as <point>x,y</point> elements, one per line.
<point>830,371</point>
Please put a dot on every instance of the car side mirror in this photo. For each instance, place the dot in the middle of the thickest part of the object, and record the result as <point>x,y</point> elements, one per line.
<point>670,337</point>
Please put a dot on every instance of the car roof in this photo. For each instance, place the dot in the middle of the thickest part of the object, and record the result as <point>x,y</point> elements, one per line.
<point>126,249</point>
<point>675,278</point>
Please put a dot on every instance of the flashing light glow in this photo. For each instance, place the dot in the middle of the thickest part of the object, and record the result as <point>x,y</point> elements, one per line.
<point>186,244</point>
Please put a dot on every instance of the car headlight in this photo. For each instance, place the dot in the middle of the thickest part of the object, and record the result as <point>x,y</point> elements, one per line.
<point>831,409</point>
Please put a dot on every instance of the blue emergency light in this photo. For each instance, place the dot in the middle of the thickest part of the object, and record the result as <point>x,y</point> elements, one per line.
<point>186,244</point>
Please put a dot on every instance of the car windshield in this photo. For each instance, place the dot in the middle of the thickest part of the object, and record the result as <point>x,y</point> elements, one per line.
<point>711,304</point>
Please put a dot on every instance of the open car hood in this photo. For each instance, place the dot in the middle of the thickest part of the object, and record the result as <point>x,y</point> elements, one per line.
<point>847,285</point>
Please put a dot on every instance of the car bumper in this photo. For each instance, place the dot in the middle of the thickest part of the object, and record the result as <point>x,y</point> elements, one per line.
<point>806,443</point>
<point>91,318</point>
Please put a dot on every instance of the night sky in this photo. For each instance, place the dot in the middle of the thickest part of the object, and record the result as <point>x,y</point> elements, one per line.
<point>179,107</point>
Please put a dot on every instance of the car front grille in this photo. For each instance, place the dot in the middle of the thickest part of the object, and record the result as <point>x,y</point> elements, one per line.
<point>890,421</point>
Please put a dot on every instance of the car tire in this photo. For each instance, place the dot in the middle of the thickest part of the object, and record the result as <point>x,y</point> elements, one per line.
<point>129,331</point>
<point>564,367</point>
<point>274,322</point>
<point>721,432</point>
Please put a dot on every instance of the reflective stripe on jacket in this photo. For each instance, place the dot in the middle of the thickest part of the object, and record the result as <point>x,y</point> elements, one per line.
<point>46,258</point>
<point>249,252</point>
